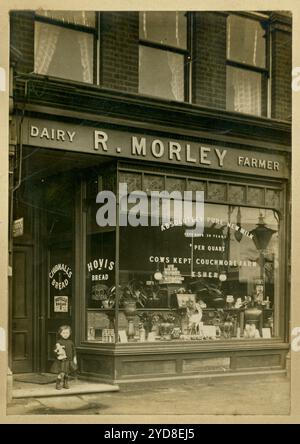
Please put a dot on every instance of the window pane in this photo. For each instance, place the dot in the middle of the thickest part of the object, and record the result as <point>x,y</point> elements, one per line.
<point>86,18</point>
<point>99,273</point>
<point>230,275</point>
<point>161,73</point>
<point>243,91</point>
<point>63,52</point>
<point>168,28</point>
<point>245,41</point>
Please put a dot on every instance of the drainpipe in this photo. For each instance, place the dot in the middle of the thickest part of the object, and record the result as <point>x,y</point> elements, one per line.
<point>15,56</point>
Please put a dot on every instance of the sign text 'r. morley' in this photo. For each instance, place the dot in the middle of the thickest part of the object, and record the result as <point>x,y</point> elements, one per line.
<point>158,149</point>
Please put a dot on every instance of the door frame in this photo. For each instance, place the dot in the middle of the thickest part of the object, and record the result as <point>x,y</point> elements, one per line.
<point>28,249</point>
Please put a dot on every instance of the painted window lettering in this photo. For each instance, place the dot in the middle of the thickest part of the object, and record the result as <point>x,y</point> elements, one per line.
<point>64,275</point>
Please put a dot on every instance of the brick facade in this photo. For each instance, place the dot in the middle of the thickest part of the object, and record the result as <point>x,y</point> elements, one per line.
<point>209,59</point>
<point>22,39</point>
<point>119,59</point>
<point>120,51</point>
<point>281,70</point>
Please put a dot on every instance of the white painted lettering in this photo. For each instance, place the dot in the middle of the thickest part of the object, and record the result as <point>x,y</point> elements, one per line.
<point>157,148</point>
<point>71,135</point>
<point>138,147</point>
<point>174,148</point>
<point>60,135</point>
<point>34,131</point>
<point>100,137</point>
<point>203,155</point>
<point>220,154</point>
<point>45,133</point>
<point>189,158</point>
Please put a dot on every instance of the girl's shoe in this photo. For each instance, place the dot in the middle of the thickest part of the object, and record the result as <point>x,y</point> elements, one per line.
<point>58,384</point>
<point>66,382</point>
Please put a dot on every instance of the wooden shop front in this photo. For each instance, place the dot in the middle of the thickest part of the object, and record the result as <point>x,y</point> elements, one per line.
<point>215,303</point>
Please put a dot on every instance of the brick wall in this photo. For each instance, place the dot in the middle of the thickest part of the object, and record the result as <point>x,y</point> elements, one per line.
<point>281,105</point>
<point>120,51</point>
<point>22,39</point>
<point>209,59</point>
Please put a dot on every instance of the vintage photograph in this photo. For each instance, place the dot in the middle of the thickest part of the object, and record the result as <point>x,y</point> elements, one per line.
<point>149,212</point>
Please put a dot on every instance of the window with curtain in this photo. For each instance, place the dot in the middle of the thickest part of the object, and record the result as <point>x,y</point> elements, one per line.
<point>247,67</point>
<point>163,54</point>
<point>64,44</point>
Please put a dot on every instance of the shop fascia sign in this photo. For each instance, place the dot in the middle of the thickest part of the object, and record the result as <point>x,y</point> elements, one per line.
<point>116,143</point>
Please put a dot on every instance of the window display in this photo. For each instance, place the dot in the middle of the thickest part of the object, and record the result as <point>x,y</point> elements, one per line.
<point>221,285</point>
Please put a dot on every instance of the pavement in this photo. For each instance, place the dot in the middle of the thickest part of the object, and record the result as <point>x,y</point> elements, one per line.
<point>46,391</point>
<point>236,395</point>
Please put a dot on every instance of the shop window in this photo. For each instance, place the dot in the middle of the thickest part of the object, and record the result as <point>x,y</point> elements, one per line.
<point>64,44</point>
<point>247,65</point>
<point>221,285</point>
<point>163,55</point>
<point>99,272</point>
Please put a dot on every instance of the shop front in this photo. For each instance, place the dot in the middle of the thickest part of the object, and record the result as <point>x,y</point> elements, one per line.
<point>149,296</point>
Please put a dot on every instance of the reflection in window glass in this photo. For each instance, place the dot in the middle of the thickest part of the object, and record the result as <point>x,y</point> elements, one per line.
<point>161,73</point>
<point>244,91</point>
<point>63,52</point>
<point>86,18</point>
<point>246,41</point>
<point>222,285</point>
<point>167,28</point>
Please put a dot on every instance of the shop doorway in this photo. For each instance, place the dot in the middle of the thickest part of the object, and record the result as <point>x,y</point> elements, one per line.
<point>22,310</point>
<point>59,298</point>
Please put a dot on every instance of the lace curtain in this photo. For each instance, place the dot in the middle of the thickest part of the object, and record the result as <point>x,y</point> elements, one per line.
<point>247,93</point>
<point>63,52</point>
<point>175,64</point>
<point>45,42</point>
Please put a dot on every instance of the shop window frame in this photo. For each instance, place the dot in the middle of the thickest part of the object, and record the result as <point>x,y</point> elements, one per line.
<point>263,71</point>
<point>186,53</point>
<point>280,322</point>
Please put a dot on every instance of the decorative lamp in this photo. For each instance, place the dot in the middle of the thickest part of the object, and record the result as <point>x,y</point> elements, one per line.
<point>262,234</point>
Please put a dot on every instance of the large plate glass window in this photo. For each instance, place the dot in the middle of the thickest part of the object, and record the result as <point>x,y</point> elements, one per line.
<point>99,271</point>
<point>64,44</point>
<point>223,285</point>
<point>247,65</point>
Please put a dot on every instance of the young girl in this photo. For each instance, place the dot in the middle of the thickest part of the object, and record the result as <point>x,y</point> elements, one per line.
<point>65,357</point>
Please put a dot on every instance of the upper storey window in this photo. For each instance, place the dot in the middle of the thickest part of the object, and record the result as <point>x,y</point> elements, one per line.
<point>163,54</point>
<point>65,44</point>
<point>247,65</point>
